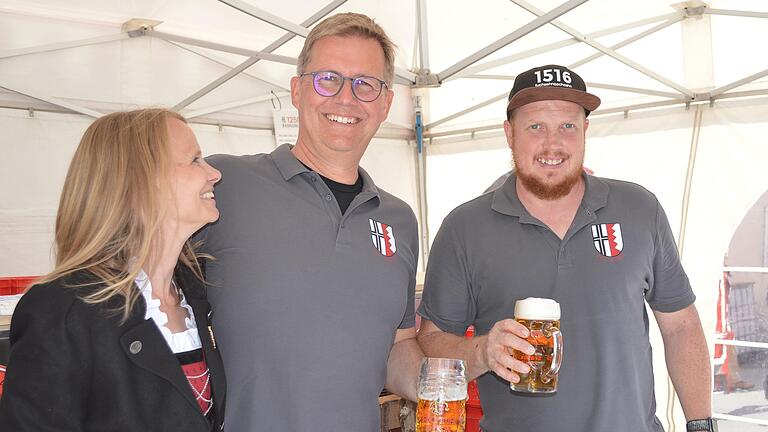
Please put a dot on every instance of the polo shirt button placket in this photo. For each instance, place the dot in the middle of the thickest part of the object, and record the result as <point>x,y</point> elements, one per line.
<point>341,236</point>
<point>564,261</point>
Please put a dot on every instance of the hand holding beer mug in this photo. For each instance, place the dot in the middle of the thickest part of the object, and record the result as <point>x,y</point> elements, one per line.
<point>442,396</point>
<point>542,318</point>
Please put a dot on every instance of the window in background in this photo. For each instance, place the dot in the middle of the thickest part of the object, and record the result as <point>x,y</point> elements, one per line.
<point>740,397</point>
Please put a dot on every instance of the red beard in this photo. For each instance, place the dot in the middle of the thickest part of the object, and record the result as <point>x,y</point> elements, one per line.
<point>547,191</point>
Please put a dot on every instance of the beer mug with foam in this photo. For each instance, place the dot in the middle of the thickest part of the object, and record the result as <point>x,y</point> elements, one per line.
<point>442,396</point>
<point>542,318</point>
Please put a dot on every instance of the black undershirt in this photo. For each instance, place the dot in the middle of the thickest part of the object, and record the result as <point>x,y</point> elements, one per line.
<point>344,193</point>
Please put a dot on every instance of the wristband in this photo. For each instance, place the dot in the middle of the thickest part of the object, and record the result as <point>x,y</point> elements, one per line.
<point>701,425</point>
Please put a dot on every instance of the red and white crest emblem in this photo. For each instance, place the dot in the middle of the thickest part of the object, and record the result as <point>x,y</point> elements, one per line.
<point>607,239</point>
<point>383,238</point>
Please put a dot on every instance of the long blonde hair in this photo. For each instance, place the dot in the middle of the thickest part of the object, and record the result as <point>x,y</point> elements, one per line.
<point>111,205</point>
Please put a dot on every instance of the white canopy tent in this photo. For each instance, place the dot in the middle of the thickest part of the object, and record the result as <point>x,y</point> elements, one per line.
<point>685,100</point>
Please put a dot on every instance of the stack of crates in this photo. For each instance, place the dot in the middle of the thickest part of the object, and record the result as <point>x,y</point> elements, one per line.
<point>12,286</point>
<point>474,410</point>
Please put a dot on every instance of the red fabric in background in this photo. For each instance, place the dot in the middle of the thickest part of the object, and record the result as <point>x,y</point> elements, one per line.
<point>474,410</point>
<point>722,325</point>
<point>2,379</point>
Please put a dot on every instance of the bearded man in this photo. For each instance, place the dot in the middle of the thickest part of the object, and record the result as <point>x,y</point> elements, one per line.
<point>600,247</point>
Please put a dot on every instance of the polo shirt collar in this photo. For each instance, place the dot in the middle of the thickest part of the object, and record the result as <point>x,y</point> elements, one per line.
<point>289,166</point>
<point>596,195</point>
<point>368,185</point>
<point>506,201</point>
<point>286,162</point>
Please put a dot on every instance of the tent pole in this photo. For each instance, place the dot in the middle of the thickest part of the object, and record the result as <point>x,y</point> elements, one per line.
<point>421,16</point>
<point>466,111</point>
<point>605,50</point>
<point>63,45</point>
<point>681,238</point>
<point>541,20</point>
<point>674,97</point>
<point>678,17</point>
<point>748,14</point>
<point>422,179</point>
<point>267,17</point>
<point>673,17</point>
<point>252,60</point>
<point>229,65</point>
<point>234,104</point>
<point>54,101</point>
<point>628,41</point>
<point>720,90</point>
<point>222,47</point>
<point>698,68</point>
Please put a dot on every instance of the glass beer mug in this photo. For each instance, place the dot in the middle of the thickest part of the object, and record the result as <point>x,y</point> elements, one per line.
<point>542,318</point>
<point>442,396</point>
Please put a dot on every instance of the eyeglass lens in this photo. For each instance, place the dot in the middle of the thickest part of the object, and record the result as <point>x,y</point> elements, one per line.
<point>329,84</point>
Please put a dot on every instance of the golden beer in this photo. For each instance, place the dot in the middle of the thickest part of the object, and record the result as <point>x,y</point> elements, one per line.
<point>542,319</point>
<point>441,416</point>
<point>442,396</point>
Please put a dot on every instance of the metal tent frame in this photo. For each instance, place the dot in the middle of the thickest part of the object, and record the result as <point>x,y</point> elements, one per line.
<point>424,130</point>
<point>420,79</point>
<point>470,67</point>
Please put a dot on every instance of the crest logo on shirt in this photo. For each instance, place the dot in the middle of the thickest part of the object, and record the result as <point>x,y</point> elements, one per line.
<point>383,238</point>
<point>607,239</point>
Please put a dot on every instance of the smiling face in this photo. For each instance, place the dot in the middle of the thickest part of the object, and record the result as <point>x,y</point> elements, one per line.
<point>547,142</point>
<point>340,125</point>
<point>192,179</point>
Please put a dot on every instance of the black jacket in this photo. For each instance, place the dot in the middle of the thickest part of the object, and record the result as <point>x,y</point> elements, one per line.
<point>73,367</point>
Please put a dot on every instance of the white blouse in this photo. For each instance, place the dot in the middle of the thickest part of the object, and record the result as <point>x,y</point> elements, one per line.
<point>189,339</point>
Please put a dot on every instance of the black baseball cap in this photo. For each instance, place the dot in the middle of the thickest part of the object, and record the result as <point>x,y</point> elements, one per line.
<point>550,82</point>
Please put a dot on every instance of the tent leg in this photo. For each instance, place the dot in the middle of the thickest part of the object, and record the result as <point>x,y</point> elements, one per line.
<point>422,179</point>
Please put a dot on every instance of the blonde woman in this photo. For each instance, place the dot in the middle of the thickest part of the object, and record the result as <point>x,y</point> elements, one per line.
<point>118,336</point>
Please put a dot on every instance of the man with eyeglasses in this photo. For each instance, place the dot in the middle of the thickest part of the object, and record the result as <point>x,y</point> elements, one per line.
<point>313,281</point>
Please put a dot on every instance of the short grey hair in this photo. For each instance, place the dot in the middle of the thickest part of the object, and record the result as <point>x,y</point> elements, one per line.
<point>350,24</point>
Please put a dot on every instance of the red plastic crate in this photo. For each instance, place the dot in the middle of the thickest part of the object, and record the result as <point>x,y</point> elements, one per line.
<point>15,285</point>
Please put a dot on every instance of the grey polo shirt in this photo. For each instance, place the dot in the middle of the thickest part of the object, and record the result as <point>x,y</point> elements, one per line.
<point>306,302</point>
<point>618,254</point>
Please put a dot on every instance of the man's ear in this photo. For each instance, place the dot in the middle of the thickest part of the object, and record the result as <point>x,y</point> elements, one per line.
<point>295,91</point>
<point>508,134</point>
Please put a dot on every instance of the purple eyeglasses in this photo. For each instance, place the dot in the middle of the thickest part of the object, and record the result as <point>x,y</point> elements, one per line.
<point>329,83</point>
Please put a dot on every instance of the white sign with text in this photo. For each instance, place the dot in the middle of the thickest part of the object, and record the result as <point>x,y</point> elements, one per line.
<point>286,125</point>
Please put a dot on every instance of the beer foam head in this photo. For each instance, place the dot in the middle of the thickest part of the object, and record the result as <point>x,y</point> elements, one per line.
<point>537,308</point>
